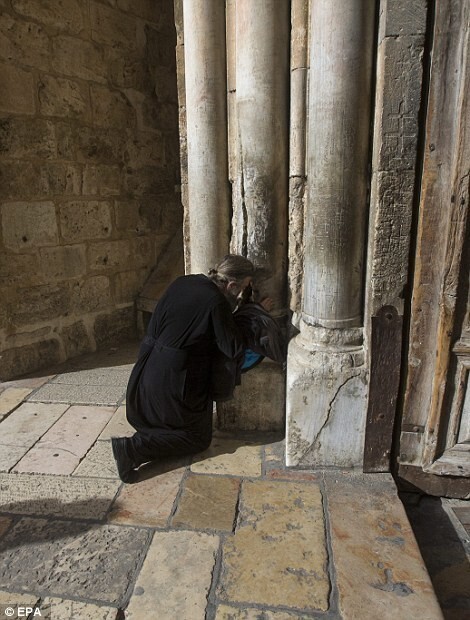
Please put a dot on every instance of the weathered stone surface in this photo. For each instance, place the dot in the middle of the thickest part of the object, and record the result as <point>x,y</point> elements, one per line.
<point>224,612</point>
<point>61,608</point>
<point>11,397</point>
<point>25,41</point>
<point>60,450</point>
<point>229,456</point>
<point>5,523</point>
<point>23,428</point>
<point>159,492</point>
<point>280,540</point>
<point>111,108</point>
<point>109,27</point>
<point>62,97</point>
<point>76,339</point>
<point>20,137</point>
<point>67,15</point>
<point>59,496</point>
<point>377,560</point>
<point>30,383</point>
<point>61,179</point>
<point>21,360</point>
<point>115,377</point>
<point>86,219</point>
<point>207,502</point>
<point>147,9</point>
<point>99,462</point>
<point>115,326</point>
<point>102,180</point>
<point>93,144</point>
<point>91,295</point>
<point>145,149</point>
<point>128,284</point>
<point>64,261</point>
<point>79,59</point>
<point>405,18</point>
<point>157,588</point>
<point>147,180</point>
<point>15,600</point>
<point>111,254</point>
<point>78,559</point>
<point>118,426</point>
<point>41,302</point>
<point>247,411</point>
<point>26,225</point>
<point>17,93</point>
<point>13,267</point>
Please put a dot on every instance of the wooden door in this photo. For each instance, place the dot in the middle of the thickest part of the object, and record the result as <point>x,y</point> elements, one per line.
<point>434,450</point>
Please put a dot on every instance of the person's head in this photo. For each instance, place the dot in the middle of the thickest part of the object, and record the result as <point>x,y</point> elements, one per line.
<point>232,275</point>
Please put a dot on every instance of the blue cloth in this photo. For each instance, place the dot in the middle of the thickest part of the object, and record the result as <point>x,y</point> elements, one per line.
<point>250,360</point>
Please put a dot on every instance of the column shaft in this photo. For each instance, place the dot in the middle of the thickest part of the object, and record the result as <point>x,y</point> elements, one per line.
<point>206,109</point>
<point>341,39</point>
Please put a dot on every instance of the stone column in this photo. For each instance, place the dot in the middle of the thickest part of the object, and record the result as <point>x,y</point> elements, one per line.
<point>326,375</point>
<point>261,193</point>
<point>206,114</point>
<point>258,83</point>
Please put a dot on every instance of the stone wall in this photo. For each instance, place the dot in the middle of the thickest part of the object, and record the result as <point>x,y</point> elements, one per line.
<point>89,171</point>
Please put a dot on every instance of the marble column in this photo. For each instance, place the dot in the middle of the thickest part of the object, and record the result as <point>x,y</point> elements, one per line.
<point>262,137</point>
<point>209,203</point>
<point>258,93</point>
<point>326,374</point>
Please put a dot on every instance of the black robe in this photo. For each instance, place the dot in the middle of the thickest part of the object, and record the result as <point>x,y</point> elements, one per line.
<point>169,395</point>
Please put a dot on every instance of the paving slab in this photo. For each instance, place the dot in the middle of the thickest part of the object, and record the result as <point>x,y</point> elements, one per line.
<point>229,456</point>
<point>118,426</point>
<point>280,540</point>
<point>99,462</point>
<point>60,450</point>
<point>225,612</point>
<point>23,428</point>
<point>117,377</point>
<point>14,601</point>
<point>62,496</point>
<point>79,394</point>
<point>175,578</point>
<point>12,397</point>
<point>378,563</point>
<point>207,502</point>
<point>61,609</point>
<point>27,382</point>
<point>77,559</point>
<point>149,502</point>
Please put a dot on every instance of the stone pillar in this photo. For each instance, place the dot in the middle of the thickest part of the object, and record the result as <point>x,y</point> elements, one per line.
<point>208,209</point>
<point>326,374</point>
<point>258,80</point>
<point>261,192</point>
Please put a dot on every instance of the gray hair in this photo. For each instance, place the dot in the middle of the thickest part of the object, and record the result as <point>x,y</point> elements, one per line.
<point>232,268</point>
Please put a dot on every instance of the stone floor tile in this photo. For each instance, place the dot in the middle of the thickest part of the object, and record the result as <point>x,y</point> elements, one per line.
<point>60,450</point>
<point>176,577</point>
<point>99,462</point>
<point>11,397</point>
<point>149,502</point>
<point>23,428</point>
<point>5,523</point>
<point>15,600</point>
<point>61,609</point>
<point>275,451</point>
<point>207,502</point>
<point>78,559</point>
<point>60,496</point>
<point>117,377</point>
<point>118,426</point>
<point>377,560</point>
<point>283,473</point>
<point>27,382</point>
<point>229,456</point>
<point>225,612</point>
<point>79,394</point>
<point>280,540</point>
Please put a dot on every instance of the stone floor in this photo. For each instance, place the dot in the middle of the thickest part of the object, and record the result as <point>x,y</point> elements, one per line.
<point>228,535</point>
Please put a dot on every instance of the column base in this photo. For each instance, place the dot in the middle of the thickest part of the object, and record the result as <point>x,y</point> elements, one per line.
<point>259,402</point>
<point>326,396</point>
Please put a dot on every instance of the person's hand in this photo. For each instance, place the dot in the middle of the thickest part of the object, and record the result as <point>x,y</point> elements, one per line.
<point>267,303</point>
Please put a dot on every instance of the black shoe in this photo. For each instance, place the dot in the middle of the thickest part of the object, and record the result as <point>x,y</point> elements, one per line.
<point>125,465</point>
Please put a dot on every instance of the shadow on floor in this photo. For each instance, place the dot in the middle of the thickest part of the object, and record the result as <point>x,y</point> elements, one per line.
<point>445,553</point>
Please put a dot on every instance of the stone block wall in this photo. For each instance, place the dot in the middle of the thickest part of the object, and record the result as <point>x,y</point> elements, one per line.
<point>89,171</point>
